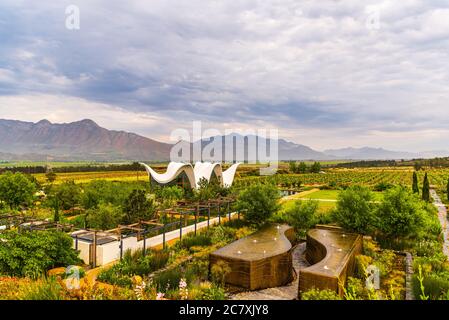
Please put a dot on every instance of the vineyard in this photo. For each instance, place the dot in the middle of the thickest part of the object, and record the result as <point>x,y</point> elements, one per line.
<point>345,177</point>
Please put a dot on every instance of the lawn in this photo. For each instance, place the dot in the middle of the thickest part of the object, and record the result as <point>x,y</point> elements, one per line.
<point>332,195</point>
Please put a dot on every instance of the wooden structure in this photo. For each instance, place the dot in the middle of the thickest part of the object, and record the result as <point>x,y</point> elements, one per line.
<point>331,253</point>
<point>261,260</point>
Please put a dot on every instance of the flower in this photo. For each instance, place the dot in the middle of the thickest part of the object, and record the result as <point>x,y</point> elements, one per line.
<point>160,295</point>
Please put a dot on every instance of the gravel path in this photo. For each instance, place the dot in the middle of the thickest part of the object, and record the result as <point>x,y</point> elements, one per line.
<point>288,292</point>
<point>442,215</point>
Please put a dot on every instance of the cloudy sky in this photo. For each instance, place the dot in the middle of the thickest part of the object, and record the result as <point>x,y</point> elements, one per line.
<point>328,73</point>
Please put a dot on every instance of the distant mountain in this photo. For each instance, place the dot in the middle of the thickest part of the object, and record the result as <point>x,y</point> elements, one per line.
<point>81,140</point>
<point>286,150</point>
<point>86,140</point>
<point>367,153</point>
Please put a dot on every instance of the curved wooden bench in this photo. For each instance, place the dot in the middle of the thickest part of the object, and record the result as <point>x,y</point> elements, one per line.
<point>261,260</point>
<point>332,255</point>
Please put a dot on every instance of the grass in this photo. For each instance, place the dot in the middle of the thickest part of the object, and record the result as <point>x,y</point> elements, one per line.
<point>323,207</point>
<point>84,177</point>
<point>333,195</point>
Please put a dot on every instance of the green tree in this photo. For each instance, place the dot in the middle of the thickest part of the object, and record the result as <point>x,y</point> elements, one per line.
<point>316,167</point>
<point>16,189</point>
<point>168,195</point>
<point>292,167</point>
<point>426,189</point>
<point>415,186</point>
<point>355,209</point>
<point>104,217</point>
<point>51,176</point>
<point>258,202</point>
<point>66,195</point>
<point>138,207</point>
<point>302,167</point>
<point>401,213</point>
<point>302,215</point>
<point>447,189</point>
<point>31,254</point>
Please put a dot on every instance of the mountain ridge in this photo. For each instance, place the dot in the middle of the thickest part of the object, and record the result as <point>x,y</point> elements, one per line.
<point>86,140</point>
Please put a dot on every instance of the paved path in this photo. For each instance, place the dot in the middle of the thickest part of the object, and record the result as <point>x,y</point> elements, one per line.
<point>288,292</point>
<point>442,215</point>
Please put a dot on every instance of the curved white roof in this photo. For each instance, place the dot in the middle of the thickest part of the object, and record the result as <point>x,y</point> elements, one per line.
<point>194,174</point>
<point>205,170</point>
<point>228,175</point>
<point>174,169</point>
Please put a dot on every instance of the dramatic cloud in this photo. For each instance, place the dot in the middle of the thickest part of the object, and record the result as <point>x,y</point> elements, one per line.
<point>327,74</point>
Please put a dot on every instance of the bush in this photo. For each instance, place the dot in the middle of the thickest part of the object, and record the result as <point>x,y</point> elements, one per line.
<point>302,215</point>
<point>132,264</point>
<point>46,289</point>
<point>436,285</point>
<point>219,271</point>
<point>64,196</point>
<point>201,240</point>
<point>105,216</point>
<point>401,213</point>
<point>355,210</point>
<point>16,189</point>
<point>33,253</point>
<point>258,203</point>
<point>316,294</point>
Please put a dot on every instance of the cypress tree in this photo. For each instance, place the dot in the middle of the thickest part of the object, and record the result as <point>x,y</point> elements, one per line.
<point>426,189</point>
<point>415,186</point>
<point>447,189</point>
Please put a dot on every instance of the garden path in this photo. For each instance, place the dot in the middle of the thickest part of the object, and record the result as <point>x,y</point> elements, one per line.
<point>442,215</point>
<point>288,292</point>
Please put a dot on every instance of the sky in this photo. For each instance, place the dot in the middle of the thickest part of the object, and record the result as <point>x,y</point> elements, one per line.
<point>327,74</point>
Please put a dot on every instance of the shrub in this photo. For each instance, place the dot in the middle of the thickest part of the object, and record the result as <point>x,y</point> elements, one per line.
<point>436,285</point>
<point>302,215</point>
<point>33,253</point>
<point>400,213</point>
<point>132,264</point>
<point>258,203</point>
<point>105,216</point>
<point>316,294</point>
<point>137,206</point>
<point>45,289</point>
<point>16,189</point>
<point>355,210</point>
<point>219,271</point>
<point>201,239</point>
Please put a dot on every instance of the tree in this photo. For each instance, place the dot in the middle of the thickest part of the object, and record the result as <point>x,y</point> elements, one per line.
<point>258,203</point>
<point>302,167</point>
<point>426,189</point>
<point>65,196</point>
<point>292,167</point>
<point>355,209</point>
<point>168,195</point>
<point>415,186</point>
<point>447,189</point>
<point>138,207</point>
<point>105,216</point>
<point>31,254</point>
<point>51,176</point>
<point>302,215</point>
<point>316,167</point>
<point>16,189</point>
<point>401,213</point>
<point>206,190</point>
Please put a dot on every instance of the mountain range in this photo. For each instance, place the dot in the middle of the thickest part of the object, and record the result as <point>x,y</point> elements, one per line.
<point>86,140</point>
